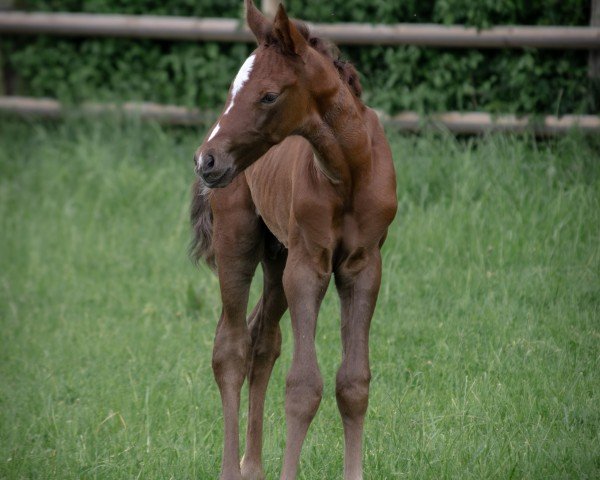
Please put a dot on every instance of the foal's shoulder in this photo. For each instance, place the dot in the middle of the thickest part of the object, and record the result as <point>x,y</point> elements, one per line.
<point>384,177</point>
<point>374,125</point>
<point>382,153</point>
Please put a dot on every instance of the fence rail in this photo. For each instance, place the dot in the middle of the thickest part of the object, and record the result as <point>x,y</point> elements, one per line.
<point>465,123</point>
<point>233,30</point>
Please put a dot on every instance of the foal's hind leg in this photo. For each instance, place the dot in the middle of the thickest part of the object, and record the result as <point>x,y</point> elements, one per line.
<point>237,240</point>
<point>358,294</point>
<point>266,347</point>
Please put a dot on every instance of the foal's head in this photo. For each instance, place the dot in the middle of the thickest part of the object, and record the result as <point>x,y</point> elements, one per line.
<point>275,94</point>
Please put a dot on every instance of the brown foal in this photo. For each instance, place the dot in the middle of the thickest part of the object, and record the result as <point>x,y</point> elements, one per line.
<point>296,175</point>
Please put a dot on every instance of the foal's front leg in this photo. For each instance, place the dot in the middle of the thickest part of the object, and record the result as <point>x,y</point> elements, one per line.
<point>305,283</point>
<point>237,252</point>
<point>358,294</point>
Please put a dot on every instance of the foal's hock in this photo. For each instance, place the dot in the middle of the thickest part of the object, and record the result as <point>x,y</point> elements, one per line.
<point>296,175</point>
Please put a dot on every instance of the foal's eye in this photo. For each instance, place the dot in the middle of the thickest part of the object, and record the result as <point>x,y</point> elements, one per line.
<point>269,98</point>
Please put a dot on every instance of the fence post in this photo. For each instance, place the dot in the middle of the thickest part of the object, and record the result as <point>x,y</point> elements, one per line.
<point>269,7</point>
<point>594,64</point>
<point>7,75</point>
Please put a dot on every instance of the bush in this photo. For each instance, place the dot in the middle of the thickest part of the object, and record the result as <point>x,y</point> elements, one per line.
<point>395,78</point>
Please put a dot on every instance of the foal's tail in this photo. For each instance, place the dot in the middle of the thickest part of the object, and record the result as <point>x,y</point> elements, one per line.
<point>202,224</point>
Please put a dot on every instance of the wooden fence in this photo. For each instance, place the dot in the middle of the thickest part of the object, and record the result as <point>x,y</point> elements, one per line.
<point>233,30</point>
<point>457,122</point>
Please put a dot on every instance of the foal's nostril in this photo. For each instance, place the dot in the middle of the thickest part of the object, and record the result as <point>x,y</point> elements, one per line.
<point>209,161</point>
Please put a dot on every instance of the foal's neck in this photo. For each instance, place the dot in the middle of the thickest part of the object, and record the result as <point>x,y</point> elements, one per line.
<point>341,142</point>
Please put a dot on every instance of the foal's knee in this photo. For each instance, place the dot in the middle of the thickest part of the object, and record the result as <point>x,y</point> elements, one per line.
<point>303,395</point>
<point>352,393</point>
<point>231,356</point>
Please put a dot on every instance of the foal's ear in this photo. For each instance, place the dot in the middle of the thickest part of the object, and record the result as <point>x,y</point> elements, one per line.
<point>258,23</point>
<point>290,39</point>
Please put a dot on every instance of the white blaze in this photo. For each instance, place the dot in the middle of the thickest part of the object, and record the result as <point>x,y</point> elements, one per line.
<point>240,79</point>
<point>214,132</point>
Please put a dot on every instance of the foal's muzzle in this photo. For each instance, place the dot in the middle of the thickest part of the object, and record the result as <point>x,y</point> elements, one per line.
<point>213,176</point>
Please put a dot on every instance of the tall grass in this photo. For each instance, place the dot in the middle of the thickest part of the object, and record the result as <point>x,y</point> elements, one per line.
<point>484,344</point>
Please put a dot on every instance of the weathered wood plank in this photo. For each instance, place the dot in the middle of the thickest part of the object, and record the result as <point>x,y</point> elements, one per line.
<point>462,123</point>
<point>233,30</point>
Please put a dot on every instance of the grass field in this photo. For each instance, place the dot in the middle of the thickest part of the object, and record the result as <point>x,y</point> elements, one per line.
<point>485,343</point>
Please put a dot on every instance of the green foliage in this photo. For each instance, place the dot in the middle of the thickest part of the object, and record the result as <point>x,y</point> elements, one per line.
<point>200,8</point>
<point>486,13</point>
<point>480,13</point>
<point>413,78</point>
<point>193,74</point>
<point>484,343</point>
<point>395,78</point>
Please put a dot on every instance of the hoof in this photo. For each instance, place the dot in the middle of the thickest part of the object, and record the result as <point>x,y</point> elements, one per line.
<point>230,474</point>
<point>251,471</point>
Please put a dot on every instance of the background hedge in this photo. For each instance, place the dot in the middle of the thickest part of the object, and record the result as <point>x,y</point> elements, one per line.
<point>394,78</point>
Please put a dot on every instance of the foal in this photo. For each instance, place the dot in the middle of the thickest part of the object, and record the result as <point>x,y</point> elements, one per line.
<point>296,175</point>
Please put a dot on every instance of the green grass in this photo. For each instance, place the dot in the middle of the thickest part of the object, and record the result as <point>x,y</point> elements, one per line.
<point>485,342</point>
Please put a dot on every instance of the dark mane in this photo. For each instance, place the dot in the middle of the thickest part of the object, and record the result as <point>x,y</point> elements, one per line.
<point>345,69</point>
